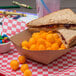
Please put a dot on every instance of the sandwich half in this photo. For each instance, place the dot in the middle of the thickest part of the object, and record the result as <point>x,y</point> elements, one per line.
<point>68,37</point>
<point>65,18</point>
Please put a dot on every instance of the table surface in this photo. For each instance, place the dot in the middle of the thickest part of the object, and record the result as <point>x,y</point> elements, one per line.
<point>63,4</point>
<point>63,66</point>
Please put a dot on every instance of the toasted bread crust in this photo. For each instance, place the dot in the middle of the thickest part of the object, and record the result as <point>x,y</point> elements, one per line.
<point>69,35</point>
<point>65,16</point>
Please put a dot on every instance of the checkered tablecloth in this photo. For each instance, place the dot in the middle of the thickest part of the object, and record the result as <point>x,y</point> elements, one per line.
<point>63,66</point>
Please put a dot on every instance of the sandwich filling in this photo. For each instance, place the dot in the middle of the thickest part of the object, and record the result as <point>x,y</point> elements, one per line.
<point>67,26</point>
<point>62,37</point>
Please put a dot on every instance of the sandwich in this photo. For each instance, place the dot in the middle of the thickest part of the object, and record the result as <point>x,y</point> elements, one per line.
<point>64,18</point>
<point>68,37</point>
<point>63,22</point>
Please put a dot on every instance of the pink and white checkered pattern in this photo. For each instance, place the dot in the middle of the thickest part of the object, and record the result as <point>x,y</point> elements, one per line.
<point>63,66</point>
<point>11,27</point>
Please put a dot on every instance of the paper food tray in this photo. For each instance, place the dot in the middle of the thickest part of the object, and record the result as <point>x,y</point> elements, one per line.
<point>44,56</point>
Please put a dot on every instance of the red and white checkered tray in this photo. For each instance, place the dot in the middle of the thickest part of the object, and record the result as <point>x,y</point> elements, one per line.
<point>63,66</point>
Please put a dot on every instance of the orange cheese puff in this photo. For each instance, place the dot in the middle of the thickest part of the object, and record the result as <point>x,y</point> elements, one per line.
<point>24,67</point>
<point>33,47</point>
<point>43,35</point>
<point>41,32</point>
<point>41,41</point>
<point>49,32</point>
<point>55,46</point>
<point>58,40</point>
<point>27,73</point>
<point>50,38</point>
<point>14,64</point>
<point>48,48</point>
<point>36,35</point>
<point>48,44</point>
<point>56,35</point>
<point>61,49</point>
<point>32,41</point>
<point>25,43</point>
<point>62,46</point>
<point>25,48</point>
<point>41,47</point>
<point>22,59</point>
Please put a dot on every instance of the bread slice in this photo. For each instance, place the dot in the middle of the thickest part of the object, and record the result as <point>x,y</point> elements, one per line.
<point>64,16</point>
<point>68,37</point>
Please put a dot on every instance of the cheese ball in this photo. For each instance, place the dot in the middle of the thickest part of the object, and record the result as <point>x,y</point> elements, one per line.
<point>44,41</point>
<point>24,67</point>
<point>22,59</point>
<point>14,64</point>
<point>27,73</point>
